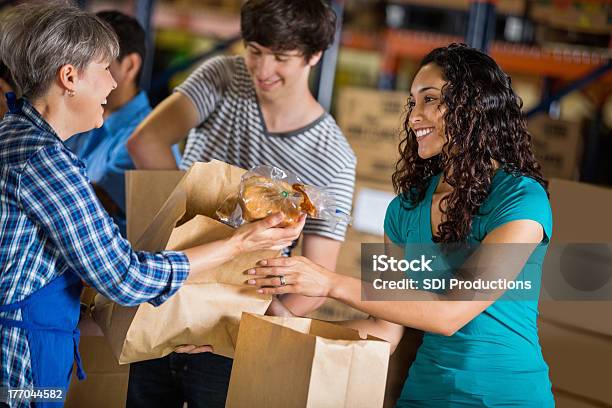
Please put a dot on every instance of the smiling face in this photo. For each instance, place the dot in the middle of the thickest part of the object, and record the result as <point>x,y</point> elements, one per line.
<point>277,73</point>
<point>118,72</point>
<point>426,117</point>
<point>91,91</point>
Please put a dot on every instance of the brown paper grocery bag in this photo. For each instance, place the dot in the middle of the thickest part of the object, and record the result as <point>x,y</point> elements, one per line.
<point>205,310</point>
<point>155,186</point>
<point>285,362</point>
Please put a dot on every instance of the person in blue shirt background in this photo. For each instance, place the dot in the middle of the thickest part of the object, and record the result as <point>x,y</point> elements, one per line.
<point>466,174</point>
<point>103,150</point>
<point>6,85</point>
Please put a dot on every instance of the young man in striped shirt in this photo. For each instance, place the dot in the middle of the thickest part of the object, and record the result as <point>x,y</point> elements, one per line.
<point>247,111</point>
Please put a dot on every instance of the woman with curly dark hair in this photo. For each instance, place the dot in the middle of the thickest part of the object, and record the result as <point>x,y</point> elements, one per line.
<point>466,175</point>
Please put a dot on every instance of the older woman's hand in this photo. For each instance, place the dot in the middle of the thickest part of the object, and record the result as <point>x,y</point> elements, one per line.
<point>291,275</point>
<point>265,234</point>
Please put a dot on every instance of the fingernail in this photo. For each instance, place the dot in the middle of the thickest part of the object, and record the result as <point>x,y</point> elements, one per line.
<point>251,271</point>
<point>260,291</point>
<point>251,281</point>
<point>263,262</point>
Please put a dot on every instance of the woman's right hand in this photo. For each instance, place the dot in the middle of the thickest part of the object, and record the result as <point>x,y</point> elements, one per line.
<point>296,274</point>
<point>265,234</point>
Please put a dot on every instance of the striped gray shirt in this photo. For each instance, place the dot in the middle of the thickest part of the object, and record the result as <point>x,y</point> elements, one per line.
<point>232,130</point>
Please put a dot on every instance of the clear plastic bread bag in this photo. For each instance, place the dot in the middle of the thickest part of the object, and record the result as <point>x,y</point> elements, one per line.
<point>265,190</point>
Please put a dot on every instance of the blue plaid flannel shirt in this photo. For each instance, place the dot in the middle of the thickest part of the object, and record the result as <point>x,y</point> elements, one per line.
<point>51,222</point>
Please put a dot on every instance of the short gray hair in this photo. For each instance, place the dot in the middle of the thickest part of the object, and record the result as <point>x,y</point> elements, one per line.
<point>38,38</point>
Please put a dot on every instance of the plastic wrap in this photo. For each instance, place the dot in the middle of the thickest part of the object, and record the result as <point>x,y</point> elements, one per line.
<point>265,190</point>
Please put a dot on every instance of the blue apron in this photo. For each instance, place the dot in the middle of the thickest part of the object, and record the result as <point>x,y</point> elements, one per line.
<point>50,318</point>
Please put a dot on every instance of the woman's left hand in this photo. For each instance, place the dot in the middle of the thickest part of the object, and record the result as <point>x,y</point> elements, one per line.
<point>291,275</point>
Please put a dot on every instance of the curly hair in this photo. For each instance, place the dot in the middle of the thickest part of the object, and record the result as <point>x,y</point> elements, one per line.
<point>483,122</point>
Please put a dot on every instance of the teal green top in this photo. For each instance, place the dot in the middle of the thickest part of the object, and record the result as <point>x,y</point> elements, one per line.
<point>496,358</point>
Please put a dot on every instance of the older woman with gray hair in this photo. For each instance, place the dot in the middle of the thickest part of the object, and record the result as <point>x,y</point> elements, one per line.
<point>54,233</point>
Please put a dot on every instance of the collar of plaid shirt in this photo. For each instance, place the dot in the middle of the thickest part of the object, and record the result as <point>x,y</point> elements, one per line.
<point>22,106</point>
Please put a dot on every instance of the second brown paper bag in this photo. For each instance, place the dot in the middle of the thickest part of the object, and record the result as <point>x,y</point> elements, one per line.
<point>291,362</point>
<point>204,311</point>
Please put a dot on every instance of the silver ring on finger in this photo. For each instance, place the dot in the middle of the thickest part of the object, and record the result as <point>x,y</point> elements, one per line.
<point>283,282</point>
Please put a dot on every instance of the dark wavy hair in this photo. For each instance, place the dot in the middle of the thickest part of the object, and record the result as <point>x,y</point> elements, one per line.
<point>483,122</point>
<point>284,25</point>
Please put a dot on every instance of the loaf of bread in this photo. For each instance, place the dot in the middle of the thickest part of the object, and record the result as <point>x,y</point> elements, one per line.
<point>261,196</point>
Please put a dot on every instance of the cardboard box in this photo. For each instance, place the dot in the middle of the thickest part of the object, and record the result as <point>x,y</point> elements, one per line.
<point>528,88</point>
<point>579,361</point>
<point>579,216</point>
<point>581,212</point>
<point>357,68</point>
<point>516,7</point>
<point>588,317</point>
<point>557,145</point>
<point>565,399</point>
<point>587,16</point>
<point>576,337</point>
<point>106,383</point>
<point>372,121</point>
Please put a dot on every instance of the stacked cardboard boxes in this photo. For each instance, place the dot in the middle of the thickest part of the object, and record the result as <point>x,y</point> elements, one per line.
<point>357,67</point>
<point>372,121</point>
<point>502,6</point>
<point>557,145</point>
<point>576,336</point>
<point>587,16</point>
<point>229,6</point>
